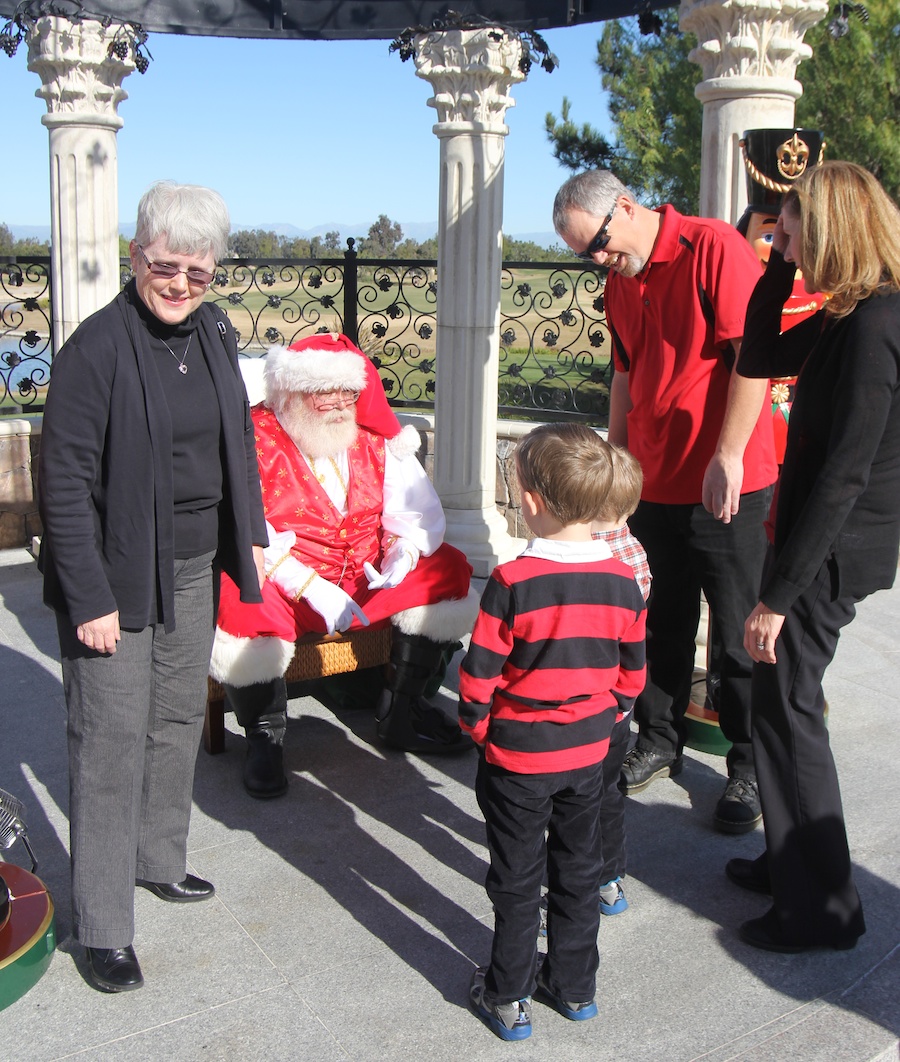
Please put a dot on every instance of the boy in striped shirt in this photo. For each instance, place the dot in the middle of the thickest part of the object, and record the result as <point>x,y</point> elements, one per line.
<point>557,654</point>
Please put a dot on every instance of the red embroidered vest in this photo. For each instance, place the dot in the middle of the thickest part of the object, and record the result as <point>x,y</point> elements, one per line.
<point>294,500</point>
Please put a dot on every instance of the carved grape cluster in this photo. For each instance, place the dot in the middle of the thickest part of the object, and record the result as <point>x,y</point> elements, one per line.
<point>10,36</point>
<point>130,37</point>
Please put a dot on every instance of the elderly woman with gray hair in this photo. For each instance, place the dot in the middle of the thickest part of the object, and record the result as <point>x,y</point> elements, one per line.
<point>148,487</point>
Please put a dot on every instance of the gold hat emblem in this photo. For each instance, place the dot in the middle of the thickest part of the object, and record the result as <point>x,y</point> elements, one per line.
<point>792,158</point>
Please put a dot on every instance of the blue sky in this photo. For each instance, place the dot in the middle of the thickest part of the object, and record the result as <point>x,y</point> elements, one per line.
<point>300,132</point>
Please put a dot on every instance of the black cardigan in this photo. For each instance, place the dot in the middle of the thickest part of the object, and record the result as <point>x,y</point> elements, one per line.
<point>105,436</point>
<point>839,492</point>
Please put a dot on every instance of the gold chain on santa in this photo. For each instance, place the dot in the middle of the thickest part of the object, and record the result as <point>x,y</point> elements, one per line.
<point>320,476</point>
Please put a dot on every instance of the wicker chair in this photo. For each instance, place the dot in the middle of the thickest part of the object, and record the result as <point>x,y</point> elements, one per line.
<point>315,657</point>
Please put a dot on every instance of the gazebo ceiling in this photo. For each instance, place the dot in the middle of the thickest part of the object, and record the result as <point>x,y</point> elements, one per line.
<point>326,19</point>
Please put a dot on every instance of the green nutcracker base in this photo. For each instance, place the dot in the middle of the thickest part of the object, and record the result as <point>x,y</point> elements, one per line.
<point>703,731</point>
<point>27,934</point>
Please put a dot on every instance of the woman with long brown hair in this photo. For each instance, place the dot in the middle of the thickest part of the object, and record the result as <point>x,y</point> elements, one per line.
<point>837,534</point>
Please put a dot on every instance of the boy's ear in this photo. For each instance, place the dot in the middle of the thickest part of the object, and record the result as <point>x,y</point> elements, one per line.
<point>533,504</point>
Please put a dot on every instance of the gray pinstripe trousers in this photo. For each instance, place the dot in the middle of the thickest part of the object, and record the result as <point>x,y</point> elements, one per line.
<point>134,724</point>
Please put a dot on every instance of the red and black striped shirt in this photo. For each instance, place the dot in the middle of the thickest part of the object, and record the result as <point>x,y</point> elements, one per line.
<point>556,654</point>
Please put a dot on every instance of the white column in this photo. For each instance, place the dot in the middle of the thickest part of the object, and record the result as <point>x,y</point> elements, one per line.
<point>471,72</point>
<point>749,51</point>
<point>82,87</point>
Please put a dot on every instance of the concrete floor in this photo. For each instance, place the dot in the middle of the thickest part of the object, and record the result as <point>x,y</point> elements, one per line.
<point>349,913</point>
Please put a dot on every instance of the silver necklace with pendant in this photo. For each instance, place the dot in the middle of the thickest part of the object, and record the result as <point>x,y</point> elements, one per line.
<point>182,368</point>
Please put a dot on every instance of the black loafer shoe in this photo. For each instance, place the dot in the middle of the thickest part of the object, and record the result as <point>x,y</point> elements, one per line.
<point>190,890</point>
<point>752,874</point>
<point>766,933</point>
<point>738,809</point>
<point>643,766</point>
<point>114,969</point>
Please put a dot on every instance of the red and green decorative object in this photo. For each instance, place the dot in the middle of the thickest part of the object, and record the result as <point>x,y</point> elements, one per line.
<point>27,932</point>
<point>702,720</point>
<point>27,927</point>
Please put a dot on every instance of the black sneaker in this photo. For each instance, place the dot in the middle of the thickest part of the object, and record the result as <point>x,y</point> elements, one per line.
<point>643,766</point>
<point>738,810</point>
<point>510,1021</point>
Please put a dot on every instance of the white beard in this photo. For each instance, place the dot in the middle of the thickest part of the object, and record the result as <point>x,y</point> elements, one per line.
<point>319,434</point>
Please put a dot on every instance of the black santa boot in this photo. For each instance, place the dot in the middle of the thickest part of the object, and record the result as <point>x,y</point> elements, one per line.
<point>405,721</point>
<point>261,710</point>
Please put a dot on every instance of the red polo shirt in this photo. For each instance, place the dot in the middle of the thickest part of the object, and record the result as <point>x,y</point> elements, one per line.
<point>671,328</point>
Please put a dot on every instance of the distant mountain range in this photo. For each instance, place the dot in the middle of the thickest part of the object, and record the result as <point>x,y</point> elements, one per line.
<point>415,230</point>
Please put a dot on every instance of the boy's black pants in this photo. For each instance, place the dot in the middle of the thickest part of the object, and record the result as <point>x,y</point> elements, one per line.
<point>538,822</point>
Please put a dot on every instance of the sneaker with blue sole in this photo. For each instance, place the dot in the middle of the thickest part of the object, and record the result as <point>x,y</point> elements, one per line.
<point>509,1021</point>
<point>612,898</point>
<point>572,1011</point>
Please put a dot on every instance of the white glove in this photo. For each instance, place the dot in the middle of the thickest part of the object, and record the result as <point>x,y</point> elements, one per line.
<point>282,568</point>
<point>280,544</point>
<point>333,604</point>
<point>399,560</point>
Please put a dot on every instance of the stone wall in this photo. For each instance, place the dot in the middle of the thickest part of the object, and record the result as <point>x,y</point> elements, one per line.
<point>19,447</point>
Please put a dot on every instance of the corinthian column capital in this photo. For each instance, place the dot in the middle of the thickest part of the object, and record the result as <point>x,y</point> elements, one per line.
<point>750,38</point>
<point>471,71</point>
<point>81,82</point>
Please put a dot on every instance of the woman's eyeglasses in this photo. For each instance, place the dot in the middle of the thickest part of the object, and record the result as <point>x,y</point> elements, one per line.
<point>599,242</point>
<point>164,269</point>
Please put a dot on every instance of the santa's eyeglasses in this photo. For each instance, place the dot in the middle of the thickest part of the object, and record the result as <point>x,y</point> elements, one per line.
<point>334,400</point>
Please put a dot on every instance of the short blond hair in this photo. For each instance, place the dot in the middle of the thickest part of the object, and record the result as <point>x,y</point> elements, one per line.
<point>625,490</point>
<point>577,474</point>
<point>849,240</point>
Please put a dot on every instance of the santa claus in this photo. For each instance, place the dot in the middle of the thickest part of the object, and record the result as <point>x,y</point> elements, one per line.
<point>356,539</point>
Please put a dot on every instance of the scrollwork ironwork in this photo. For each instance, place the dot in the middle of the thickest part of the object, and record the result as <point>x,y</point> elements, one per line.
<point>25,352</point>
<point>554,355</point>
<point>554,349</point>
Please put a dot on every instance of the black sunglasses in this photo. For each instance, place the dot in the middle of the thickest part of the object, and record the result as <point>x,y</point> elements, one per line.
<point>599,242</point>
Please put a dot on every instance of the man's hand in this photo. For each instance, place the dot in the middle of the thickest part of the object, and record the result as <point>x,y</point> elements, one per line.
<point>100,634</point>
<point>722,486</point>
<point>399,560</point>
<point>333,604</point>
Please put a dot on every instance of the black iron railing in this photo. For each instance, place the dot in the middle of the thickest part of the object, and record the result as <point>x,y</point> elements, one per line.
<point>25,350</point>
<point>554,353</point>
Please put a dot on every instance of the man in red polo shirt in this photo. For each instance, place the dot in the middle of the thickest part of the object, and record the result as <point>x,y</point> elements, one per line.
<point>676,297</point>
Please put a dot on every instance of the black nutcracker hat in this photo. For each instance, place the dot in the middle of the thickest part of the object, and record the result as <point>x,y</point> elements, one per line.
<point>774,159</point>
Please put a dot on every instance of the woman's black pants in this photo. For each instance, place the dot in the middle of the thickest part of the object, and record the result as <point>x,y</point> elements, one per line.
<point>809,859</point>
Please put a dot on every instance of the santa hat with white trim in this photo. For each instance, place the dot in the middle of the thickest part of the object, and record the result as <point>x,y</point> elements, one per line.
<point>329,361</point>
